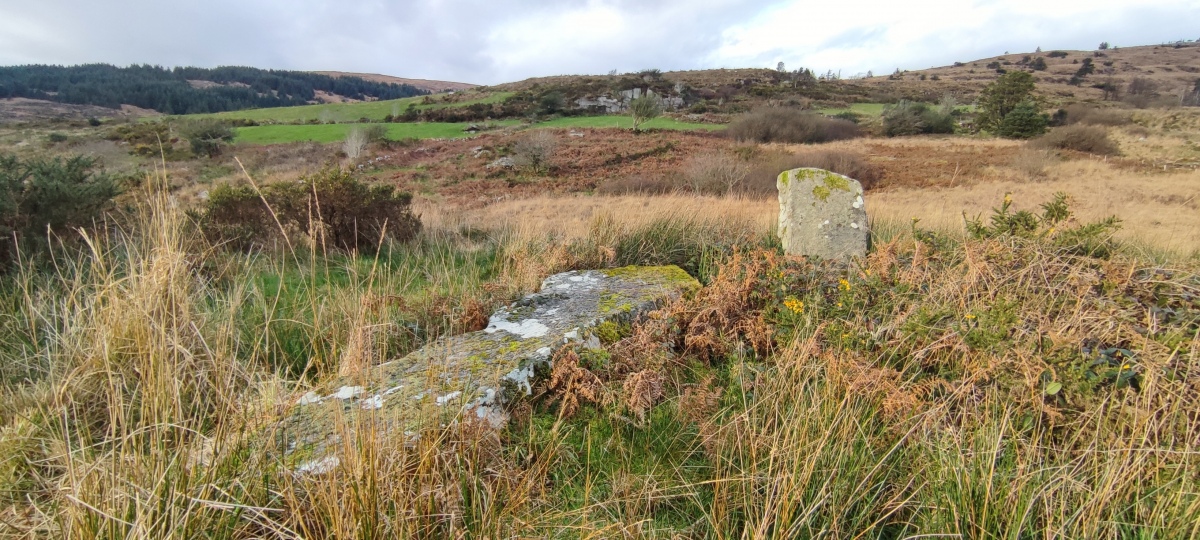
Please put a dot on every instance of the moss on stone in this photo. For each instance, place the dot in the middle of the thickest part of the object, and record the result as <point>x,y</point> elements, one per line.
<point>611,332</point>
<point>821,192</point>
<point>836,181</point>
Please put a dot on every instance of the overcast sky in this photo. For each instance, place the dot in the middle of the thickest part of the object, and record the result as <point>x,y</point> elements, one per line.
<point>493,41</point>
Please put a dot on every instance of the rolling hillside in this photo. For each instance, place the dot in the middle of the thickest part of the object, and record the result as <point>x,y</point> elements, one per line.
<point>423,84</point>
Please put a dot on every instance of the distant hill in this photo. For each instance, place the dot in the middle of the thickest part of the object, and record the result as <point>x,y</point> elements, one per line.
<point>187,90</point>
<point>1143,75</point>
<point>1163,72</point>
<point>423,84</point>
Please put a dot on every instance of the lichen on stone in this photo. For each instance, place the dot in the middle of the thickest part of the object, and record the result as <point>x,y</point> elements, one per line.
<point>480,371</point>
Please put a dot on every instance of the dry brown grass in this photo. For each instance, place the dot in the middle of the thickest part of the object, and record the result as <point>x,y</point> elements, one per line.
<point>1159,209</point>
<point>572,216</point>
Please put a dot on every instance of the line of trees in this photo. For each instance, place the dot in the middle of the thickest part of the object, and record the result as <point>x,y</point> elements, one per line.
<point>169,91</point>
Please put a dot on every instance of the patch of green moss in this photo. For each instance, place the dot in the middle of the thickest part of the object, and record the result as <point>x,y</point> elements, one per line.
<point>610,332</point>
<point>785,177</point>
<point>821,192</point>
<point>833,181</point>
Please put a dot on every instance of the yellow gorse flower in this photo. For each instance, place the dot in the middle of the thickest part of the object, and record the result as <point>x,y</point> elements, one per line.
<point>843,284</point>
<point>794,304</point>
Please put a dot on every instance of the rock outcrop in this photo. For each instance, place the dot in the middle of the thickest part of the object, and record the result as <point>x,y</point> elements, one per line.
<point>822,214</point>
<point>606,104</point>
<point>475,374</point>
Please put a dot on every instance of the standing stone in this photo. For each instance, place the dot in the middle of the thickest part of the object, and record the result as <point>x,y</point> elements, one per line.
<point>821,214</point>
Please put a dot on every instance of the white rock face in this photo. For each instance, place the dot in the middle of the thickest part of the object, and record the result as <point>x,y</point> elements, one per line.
<point>822,214</point>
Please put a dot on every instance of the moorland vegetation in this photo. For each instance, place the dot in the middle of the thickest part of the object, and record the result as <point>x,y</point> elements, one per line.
<point>1016,356</point>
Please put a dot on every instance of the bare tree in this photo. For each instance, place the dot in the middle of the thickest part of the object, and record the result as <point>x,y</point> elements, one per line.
<point>535,150</point>
<point>355,143</point>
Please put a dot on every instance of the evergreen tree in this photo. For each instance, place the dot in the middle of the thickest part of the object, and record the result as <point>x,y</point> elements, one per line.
<point>1002,96</point>
<point>1023,122</point>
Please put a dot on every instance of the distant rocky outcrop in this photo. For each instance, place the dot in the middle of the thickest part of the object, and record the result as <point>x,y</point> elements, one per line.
<point>822,214</point>
<point>475,374</point>
<point>620,103</point>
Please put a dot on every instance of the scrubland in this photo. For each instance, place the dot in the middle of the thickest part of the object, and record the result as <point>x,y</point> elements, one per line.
<point>1032,372</point>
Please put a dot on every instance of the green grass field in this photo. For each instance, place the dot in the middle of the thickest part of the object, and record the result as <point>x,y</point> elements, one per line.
<point>620,121</point>
<point>874,109</point>
<point>865,109</point>
<point>344,112</point>
<point>324,133</point>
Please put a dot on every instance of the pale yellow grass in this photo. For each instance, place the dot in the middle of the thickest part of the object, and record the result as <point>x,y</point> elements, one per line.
<point>571,216</point>
<point>1160,210</point>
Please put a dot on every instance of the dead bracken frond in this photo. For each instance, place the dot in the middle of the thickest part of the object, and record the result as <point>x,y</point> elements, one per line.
<point>572,384</point>
<point>643,390</point>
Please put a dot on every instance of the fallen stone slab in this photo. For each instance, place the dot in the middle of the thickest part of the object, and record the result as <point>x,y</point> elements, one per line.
<point>822,214</point>
<point>477,373</point>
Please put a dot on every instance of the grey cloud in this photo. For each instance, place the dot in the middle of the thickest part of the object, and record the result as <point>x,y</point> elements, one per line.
<point>466,40</point>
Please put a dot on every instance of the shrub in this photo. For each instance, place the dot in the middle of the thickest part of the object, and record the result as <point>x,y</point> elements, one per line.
<point>1033,163</point>
<point>913,118</point>
<point>329,206</point>
<point>1083,114</point>
<point>787,125</point>
<point>56,137</point>
<point>1078,137</point>
<point>207,138</point>
<point>53,195</point>
<point>1023,122</point>
<point>1039,64</point>
<point>355,143</point>
<point>534,151</point>
<point>644,109</point>
<point>1057,54</point>
<point>715,173</point>
<point>376,132</point>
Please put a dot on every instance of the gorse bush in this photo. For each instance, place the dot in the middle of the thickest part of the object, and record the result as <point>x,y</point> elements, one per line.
<point>789,125</point>
<point>207,138</point>
<point>330,207</point>
<point>53,196</point>
<point>914,118</point>
<point>1079,137</point>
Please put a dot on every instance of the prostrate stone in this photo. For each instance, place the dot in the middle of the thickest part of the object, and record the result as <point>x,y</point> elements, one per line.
<point>821,214</point>
<point>474,374</point>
